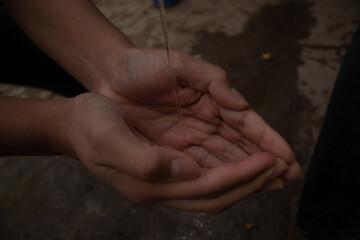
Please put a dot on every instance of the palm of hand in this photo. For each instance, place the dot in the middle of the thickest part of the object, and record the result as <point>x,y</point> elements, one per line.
<point>209,139</point>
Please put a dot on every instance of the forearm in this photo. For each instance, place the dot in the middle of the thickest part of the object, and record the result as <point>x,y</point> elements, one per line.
<point>72,32</point>
<point>29,127</point>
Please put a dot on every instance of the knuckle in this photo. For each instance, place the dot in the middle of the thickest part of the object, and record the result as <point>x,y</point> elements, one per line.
<point>240,122</point>
<point>222,74</point>
<point>181,59</point>
<point>219,77</point>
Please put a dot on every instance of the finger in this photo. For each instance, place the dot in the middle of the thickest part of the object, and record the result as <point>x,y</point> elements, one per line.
<point>294,172</point>
<point>206,77</point>
<point>223,149</point>
<point>211,181</point>
<point>223,201</point>
<point>212,145</point>
<point>193,130</point>
<point>274,185</point>
<point>251,125</point>
<point>203,157</point>
<point>204,109</point>
<point>212,124</point>
<point>236,137</point>
<point>202,133</point>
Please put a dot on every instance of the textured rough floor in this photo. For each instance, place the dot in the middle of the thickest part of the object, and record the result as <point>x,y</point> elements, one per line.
<point>57,198</point>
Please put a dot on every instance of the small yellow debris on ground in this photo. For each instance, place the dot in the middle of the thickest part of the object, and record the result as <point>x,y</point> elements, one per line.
<point>328,95</point>
<point>249,226</point>
<point>266,56</point>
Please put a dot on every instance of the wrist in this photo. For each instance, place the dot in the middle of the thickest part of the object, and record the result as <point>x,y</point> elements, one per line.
<point>56,131</point>
<point>104,68</point>
<point>29,127</point>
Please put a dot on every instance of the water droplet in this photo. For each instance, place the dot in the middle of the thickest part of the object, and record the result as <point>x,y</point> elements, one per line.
<point>192,232</point>
<point>198,223</point>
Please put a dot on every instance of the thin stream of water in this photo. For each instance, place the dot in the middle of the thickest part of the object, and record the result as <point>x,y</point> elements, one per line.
<point>198,219</point>
<point>173,77</point>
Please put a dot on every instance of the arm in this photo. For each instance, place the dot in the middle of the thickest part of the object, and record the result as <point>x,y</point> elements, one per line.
<point>73,33</point>
<point>27,127</point>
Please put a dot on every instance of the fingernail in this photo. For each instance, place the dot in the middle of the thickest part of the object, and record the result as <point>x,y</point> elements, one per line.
<point>238,96</point>
<point>182,168</point>
<point>278,172</point>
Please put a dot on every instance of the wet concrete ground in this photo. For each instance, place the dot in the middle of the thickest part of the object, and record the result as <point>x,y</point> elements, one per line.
<point>57,198</point>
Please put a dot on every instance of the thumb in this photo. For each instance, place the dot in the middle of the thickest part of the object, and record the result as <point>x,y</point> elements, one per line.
<point>211,79</point>
<point>154,163</point>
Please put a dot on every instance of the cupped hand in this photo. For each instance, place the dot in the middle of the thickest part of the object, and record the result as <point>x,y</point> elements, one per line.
<point>97,131</point>
<point>218,125</point>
